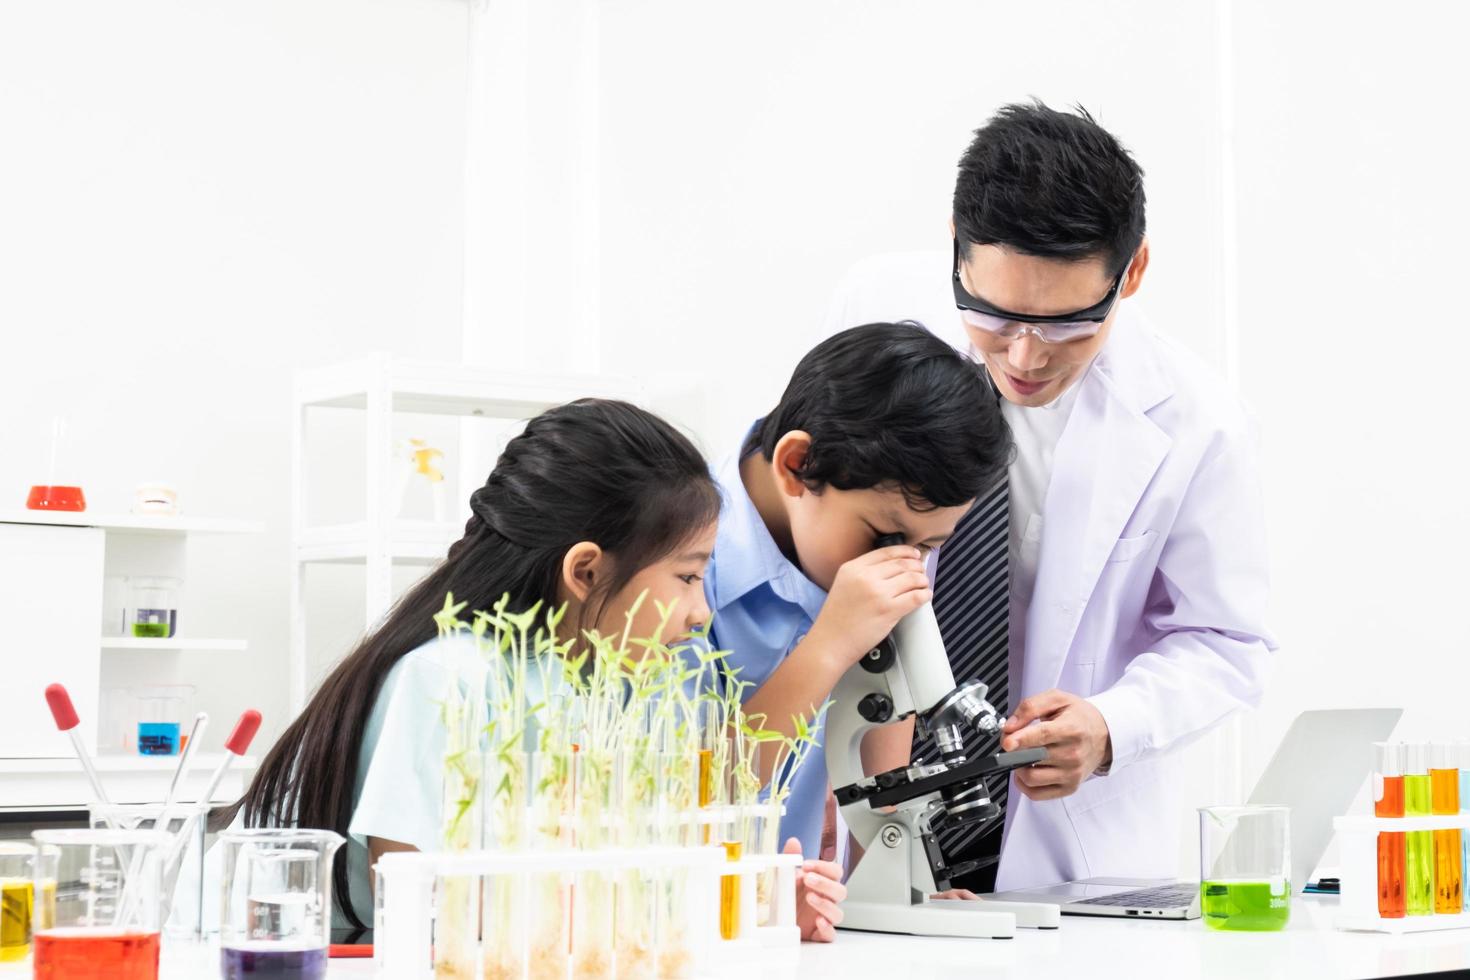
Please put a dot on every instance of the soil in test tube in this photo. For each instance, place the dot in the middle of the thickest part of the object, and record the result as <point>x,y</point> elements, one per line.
<point>66,954</point>
<point>265,963</point>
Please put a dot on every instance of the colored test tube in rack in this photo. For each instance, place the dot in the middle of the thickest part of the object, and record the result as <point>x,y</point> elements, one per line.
<point>1413,849</point>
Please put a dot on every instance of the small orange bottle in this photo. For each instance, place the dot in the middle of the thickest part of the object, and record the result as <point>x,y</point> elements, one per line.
<point>1388,801</point>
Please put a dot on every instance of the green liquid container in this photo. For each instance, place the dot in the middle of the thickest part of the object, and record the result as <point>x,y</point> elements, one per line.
<point>1245,906</point>
<point>1419,851</point>
<point>1245,867</point>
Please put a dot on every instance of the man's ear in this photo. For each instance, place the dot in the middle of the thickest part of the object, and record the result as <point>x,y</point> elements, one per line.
<point>582,569</point>
<point>787,460</point>
<point>1136,270</point>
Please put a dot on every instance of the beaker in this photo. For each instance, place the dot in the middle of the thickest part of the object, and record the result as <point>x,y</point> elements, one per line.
<point>1245,867</point>
<point>16,901</point>
<point>154,607</point>
<point>182,865</point>
<point>160,712</point>
<point>277,914</point>
<point>104,917</point>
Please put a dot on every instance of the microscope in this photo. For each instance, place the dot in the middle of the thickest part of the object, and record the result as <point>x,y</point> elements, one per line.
<point>897,815</point>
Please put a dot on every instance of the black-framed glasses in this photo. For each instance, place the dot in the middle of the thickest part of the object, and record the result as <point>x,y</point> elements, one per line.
<point>1059,328</point>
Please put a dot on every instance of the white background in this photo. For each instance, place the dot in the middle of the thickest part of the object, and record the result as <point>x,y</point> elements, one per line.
<point>198,198</point>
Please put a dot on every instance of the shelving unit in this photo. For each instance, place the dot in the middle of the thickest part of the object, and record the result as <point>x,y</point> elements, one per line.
<point>173,643</point>
<point>52,568</point>
<point>132,524</point>
<point>59,784</point>
<point>381,386</point>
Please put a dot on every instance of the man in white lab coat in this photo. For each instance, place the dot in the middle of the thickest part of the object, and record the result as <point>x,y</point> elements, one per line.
<point>1137,558</point>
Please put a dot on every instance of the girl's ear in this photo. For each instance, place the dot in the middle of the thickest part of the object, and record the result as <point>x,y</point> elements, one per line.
<point>582,568</point>
<point>791,452</point>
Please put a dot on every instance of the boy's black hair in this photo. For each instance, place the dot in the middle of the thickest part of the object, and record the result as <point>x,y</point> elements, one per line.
<point>1050,183</point>
<point>891,406</point>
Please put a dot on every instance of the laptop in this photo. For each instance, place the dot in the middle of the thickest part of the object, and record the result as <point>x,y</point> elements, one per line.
<point>1316,771</point>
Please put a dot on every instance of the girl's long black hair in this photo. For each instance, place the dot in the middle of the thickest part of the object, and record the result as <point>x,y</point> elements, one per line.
<point>593,470</point>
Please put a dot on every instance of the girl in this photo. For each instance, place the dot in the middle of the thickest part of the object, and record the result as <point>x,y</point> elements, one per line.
<point>594,504</point>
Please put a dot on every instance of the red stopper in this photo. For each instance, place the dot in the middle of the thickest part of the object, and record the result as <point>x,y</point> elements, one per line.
<point>244,732</point>
<point>61,708</point>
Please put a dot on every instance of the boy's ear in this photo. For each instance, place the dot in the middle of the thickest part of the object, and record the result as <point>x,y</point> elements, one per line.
<point>581,569</point>
<point>790,455</point>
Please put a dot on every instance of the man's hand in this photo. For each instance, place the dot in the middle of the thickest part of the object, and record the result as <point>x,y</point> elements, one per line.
<point>1074,735</point>
<point>868,597</point>
<point>819,889</point>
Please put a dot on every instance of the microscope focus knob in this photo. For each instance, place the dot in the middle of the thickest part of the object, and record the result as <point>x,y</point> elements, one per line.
<point>876,708</point>
<point>881,657</point>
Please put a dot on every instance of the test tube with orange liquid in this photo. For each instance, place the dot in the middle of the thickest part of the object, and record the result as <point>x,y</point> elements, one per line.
<point>1388,801</point>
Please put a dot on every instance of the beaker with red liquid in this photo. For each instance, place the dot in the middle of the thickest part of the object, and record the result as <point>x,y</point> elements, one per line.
<point>105,919</point>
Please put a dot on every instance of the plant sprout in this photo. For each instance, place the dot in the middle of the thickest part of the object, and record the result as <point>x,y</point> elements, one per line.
<point>590,742</point>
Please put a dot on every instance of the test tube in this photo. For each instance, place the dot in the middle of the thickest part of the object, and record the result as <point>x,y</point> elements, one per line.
<point>1444,791</point>
<point>1418,844</point>
<point>1388,801</point>
<point>1464,754</point>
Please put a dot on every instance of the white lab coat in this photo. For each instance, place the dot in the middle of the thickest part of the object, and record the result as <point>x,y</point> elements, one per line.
<point>1150,593</point>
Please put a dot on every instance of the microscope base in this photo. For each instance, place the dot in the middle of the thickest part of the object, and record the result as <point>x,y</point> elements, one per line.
<point>1028,915</point>
<point>965,920</point>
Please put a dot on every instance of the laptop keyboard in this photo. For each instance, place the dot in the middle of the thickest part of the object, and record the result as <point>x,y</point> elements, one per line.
<point>1159,897</point>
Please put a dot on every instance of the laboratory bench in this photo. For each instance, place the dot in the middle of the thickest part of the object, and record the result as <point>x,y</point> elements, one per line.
<point>1095,949</point>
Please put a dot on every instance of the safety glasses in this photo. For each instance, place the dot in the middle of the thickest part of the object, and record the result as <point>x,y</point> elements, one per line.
<point>1060,328</point>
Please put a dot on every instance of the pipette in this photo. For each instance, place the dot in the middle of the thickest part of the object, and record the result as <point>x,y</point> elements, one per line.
<point>66,720</point>
<point>235,745</point>
<point>201,722</point>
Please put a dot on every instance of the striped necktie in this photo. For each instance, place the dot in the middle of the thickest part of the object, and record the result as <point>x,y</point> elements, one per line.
<point>972,606</point>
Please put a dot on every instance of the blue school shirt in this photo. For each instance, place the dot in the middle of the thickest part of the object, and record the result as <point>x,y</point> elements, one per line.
<point>762,605</point>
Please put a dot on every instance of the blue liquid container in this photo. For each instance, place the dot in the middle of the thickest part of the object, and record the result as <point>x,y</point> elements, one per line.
<point>158,738</point>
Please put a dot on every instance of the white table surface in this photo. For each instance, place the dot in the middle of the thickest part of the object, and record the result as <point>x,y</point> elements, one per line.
<point>1095,949</point>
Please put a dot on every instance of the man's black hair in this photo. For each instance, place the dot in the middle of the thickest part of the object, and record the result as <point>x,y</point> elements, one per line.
<point>1050,183</point>
<point>891,406</point>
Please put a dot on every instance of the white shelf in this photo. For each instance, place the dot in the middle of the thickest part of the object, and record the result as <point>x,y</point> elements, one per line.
<point>60,784</point>
<point>410,542</point>
<point>438,388</point>
<point>132,523</point>
<point>173,643</point>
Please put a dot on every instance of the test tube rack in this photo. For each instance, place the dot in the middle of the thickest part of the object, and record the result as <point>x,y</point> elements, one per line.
<point>405,881</point>
<point>1358,846</point>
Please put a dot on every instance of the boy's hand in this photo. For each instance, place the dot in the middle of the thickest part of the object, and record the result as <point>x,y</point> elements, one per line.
<point>868,597</point>
<point>819,890</point>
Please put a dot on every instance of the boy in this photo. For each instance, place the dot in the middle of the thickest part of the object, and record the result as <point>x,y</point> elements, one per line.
<point>883,429</point>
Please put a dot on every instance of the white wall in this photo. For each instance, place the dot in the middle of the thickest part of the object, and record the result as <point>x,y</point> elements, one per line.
<point>749,158</point>
<point>1353,204</point>
<point>198,197</point>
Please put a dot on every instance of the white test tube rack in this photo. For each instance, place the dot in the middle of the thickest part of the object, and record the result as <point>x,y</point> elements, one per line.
<point>403,935</point>
<point>1358,846</point>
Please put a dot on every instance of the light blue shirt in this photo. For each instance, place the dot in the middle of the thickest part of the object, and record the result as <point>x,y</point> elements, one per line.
<point>400,764</point>
<point>399,791</point>
<point>762,606</point>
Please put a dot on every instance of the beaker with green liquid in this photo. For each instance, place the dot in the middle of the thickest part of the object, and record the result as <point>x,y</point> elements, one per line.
<point>1245,867</point>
